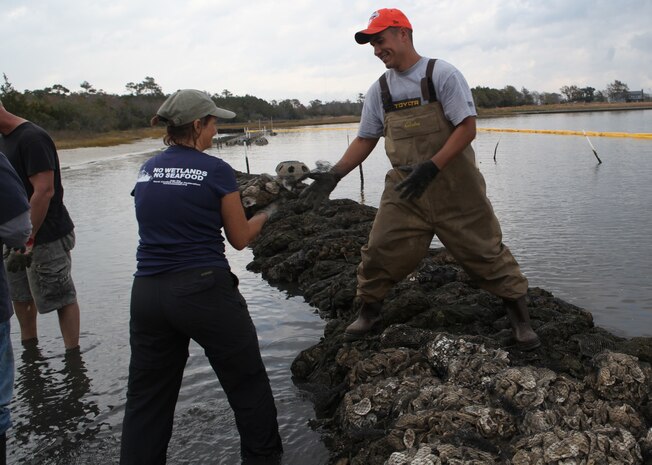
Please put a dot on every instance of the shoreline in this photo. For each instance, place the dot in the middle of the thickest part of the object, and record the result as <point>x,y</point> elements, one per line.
<point>562,108</point>
<point>74,157</point>
<point>70,141</point>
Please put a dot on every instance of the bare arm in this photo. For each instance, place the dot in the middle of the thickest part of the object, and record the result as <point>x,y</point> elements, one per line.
<point>240,231</point>
<point>461,137</point>
<point>356,153</point>
<point>43,184</point>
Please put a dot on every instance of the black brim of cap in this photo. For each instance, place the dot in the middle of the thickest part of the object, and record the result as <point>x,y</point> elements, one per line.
<point>362,38</point>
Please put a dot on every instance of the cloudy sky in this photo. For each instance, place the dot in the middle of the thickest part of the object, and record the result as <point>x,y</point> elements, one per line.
<point>304,49</point>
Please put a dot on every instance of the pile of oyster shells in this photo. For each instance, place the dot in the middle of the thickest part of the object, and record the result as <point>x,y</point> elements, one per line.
<point>458,402</point>
<point>434,387</point>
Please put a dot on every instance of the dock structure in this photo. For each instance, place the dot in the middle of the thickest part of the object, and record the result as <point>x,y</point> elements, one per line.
<point>248,138</point>
<point>222,139</point>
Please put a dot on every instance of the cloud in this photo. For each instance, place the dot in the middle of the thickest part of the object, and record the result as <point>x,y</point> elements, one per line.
<point>304,49</point>
<point>642,42</point>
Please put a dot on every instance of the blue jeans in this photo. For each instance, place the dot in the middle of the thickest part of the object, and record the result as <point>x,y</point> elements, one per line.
<point>6,376</point>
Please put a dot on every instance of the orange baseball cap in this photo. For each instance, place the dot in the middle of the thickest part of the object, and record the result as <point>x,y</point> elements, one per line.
<point>381,20</point>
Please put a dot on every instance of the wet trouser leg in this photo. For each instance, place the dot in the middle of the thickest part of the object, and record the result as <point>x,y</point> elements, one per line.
<point>246,385</point>
<point>149,414</point>
<point>463,220</point>
<point>230,342</point>
<point>158,356</point>
<point>398,241</point>
<point>467,226</point>
<point>495,270</point>
<point>205,305</point>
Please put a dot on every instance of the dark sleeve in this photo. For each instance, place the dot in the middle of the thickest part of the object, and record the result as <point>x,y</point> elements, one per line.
<point>224,180</point>
<point>15,232</point>
<point>13,198</point>
<point>39,153</point>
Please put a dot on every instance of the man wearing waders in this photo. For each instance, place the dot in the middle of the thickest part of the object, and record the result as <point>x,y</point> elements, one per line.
<point>425,111</point>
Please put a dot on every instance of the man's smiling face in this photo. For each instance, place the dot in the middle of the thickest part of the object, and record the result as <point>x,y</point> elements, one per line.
<point>389,47</point>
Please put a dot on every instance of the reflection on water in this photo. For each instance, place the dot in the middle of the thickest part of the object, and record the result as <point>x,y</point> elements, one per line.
<point>579,230</point>
<point>57,410</point>
<point>58,424</point>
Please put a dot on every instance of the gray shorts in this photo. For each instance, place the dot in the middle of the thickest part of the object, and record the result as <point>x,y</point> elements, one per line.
<point>47,281</point>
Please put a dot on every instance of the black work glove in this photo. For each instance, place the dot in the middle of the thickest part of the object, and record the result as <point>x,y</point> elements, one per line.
<point>421,175</point>
<point>18,259</point>
<point>321,188</point>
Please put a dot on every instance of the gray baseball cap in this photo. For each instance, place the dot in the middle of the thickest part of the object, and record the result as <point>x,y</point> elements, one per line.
<point>187,105</point>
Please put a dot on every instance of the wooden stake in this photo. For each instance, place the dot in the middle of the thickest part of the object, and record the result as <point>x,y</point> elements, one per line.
<point>246,157</point>
<point>592,148</point>
<point>496,147</point>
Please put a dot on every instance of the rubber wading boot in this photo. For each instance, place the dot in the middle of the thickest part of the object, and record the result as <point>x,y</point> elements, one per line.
<point>519,317</point>
<point>368,318</point>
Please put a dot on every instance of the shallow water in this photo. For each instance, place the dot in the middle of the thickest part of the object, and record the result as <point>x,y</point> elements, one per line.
<point>579,230</point>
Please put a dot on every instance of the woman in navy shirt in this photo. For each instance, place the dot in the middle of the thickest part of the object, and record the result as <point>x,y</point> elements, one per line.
<point>183,289</point>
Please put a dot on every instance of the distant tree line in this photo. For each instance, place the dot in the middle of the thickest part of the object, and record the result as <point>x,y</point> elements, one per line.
<point>509,96</point>
<point>92,110</point>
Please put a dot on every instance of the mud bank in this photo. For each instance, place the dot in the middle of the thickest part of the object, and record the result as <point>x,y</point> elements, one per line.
<point>440,383</point>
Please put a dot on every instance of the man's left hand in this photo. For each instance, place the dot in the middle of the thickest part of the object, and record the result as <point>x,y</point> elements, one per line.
<point>421,175</point>
<point>317,192</point>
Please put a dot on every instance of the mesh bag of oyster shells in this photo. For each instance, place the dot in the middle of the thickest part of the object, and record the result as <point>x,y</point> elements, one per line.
<point>385,398</point>
<point>388,362</point>
<point>601,445</point>
<point>421,456</point>
<point>441,453</point>
<point>463,361</point>
<point>523,387</point>
<point>400,335</point>
<point>473,423</point>
<point>619,376</point>
<point>260,191</point>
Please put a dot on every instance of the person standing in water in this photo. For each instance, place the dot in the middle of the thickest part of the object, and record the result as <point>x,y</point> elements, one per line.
<point>184,289</point>
<point>47,285</point>
<point>15,228</point>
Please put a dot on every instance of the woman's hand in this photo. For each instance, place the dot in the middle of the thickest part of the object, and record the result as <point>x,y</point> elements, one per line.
<point>239,231</point>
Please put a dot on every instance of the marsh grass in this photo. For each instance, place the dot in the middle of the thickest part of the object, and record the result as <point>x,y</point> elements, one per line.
<point>73,139</point>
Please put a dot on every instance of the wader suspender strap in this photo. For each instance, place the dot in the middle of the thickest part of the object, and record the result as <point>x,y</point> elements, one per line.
<point>427,88</point>
<point>385,95</point>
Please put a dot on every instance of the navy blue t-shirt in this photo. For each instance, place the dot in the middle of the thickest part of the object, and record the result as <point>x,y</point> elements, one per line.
<point>178,207</point>
<point>13,202</point>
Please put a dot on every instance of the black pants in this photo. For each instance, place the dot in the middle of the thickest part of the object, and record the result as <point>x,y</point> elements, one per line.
<point>166,312</point>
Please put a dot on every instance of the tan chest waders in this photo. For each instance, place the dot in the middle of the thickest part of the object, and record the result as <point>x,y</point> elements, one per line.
<point>455,207</point>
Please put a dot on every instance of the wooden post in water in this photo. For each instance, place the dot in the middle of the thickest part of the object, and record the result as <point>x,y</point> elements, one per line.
<point>246,157</point>
<point>496,147</point>
<point>592,148</point>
